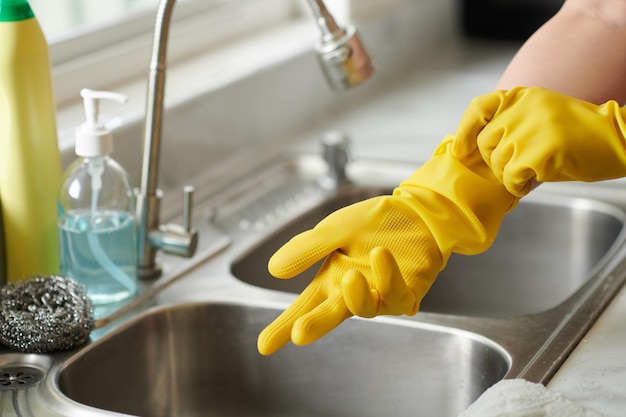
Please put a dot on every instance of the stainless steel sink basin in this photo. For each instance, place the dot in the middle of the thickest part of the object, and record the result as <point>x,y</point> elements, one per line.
<point>251,266</point>
<point>201,359</point>
<point>547,248</point>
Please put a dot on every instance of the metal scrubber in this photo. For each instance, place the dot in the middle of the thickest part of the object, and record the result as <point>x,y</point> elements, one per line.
<point>51,313</point>
<point>45,314</point>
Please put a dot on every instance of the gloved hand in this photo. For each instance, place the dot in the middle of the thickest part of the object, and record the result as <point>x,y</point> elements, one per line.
<point>383,254</point>
<point>533,134</point>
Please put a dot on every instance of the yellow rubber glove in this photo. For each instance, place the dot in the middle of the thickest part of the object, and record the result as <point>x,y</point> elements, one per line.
<point>383,254</point>
<point>529,135</point>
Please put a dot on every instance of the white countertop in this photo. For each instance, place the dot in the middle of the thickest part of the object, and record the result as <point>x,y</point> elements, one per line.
<point>595,374</point>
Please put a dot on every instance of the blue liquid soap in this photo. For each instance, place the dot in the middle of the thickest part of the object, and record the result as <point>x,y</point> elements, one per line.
<point>100,252</point>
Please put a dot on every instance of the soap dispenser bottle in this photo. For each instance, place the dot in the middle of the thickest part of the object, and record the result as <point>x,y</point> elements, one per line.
<point>96,214</point>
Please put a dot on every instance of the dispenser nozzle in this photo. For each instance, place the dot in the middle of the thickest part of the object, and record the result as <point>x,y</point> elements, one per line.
<point>91,101</point>
<point>92,137</point>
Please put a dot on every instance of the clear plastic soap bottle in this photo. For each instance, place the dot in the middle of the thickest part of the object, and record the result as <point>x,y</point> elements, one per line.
<point>96,214</point>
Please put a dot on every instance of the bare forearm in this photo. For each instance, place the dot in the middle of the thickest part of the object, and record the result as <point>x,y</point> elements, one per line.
<point>581,52</point>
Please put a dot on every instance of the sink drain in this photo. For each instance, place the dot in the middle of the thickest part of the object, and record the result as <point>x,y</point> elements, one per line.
<point>19,377</point>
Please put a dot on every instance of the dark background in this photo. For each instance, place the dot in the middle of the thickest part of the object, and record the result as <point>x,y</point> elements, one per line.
<point>505,19</point>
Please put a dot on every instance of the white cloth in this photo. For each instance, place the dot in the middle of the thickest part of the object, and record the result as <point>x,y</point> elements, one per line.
<point>521,398</point>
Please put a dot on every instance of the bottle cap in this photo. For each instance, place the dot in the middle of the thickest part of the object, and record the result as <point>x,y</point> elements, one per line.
<point>92,136</point>
<point>15,10</point>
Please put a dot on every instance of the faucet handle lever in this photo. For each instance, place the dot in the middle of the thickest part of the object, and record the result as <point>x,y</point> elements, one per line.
<point>188,191</point>
<point>178,239</point>
<point>336,154</point>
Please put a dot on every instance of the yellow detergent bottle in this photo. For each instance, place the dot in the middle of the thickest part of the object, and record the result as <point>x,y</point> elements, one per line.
<point>30,162</point>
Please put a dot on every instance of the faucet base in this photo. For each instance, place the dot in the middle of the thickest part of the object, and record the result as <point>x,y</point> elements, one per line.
<point>149,272</point>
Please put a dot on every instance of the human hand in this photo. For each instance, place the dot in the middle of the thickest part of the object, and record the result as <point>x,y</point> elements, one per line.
<point>383,254</point>
<point>530,135</point>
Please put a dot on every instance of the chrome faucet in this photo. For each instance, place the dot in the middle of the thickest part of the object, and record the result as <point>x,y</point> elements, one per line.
<point>336,154</point>
<point>343,57</point>
<point>345,63</point>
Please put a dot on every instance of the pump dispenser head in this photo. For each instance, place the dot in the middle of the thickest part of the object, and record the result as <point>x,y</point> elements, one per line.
<point>92,136</point>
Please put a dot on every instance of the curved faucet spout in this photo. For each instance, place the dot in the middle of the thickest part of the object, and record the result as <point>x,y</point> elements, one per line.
<point>149,196</point>
<point>346,64</point>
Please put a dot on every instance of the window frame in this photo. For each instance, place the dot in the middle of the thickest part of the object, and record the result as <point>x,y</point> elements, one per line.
<point>103,56</point>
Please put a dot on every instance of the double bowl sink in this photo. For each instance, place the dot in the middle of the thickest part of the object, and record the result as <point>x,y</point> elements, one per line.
<point>516,310</point>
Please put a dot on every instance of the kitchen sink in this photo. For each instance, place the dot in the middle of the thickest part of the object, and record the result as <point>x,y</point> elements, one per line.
<point>556,263</point>
<point>516,311</point>
<point>201,359</point>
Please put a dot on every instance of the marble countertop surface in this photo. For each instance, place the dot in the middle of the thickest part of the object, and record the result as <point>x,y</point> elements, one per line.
<point>595,374</point>
<point>408,122</point>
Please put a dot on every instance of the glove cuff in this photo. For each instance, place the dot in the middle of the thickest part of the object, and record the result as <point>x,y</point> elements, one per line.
<point>462,202</point>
